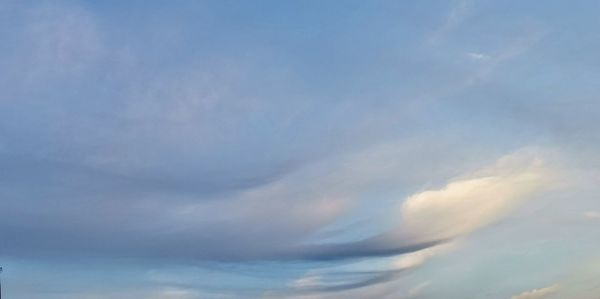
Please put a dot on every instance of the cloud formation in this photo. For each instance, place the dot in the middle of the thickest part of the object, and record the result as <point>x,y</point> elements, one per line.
<point>538,293</point>
<point>465,205</point>
<point>439,216</point>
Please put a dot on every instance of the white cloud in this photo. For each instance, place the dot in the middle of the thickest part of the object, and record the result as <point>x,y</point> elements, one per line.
<point>417,258</point>
<point>538,293</point>
<point>593,215</point>
<point>478,56</point>
<point>306,282</point>
<point>467,204</point>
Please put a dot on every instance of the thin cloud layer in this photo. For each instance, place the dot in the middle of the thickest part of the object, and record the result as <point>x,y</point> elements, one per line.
<point>313,149</point>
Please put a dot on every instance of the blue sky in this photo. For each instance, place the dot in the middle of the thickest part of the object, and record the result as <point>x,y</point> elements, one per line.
<point>299,149</point>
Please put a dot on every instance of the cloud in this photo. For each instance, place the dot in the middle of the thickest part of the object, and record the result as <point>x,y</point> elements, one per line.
<point>417,258</point>
<point>279,212</point>
<point>538,293</point>
<point>418,289</point>
<point>438,216</point>
<point>464,205</point>
<point>324,281</point>
<point>592,215</point>
<point>457,14</point>
<point>307,281</point>
<point>149,293</point>
<point>479,56</point>
<point>467,204</point>
<point>489,63</point>
<point>387,288</point>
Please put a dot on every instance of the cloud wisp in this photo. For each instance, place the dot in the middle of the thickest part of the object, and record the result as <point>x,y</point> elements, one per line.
<point>538,293</point>
<point>457,14</point>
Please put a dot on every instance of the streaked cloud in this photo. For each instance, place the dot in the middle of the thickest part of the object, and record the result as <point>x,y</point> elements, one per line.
<point>460,208</point>
<point>417,258</point>
<point>538,293</point>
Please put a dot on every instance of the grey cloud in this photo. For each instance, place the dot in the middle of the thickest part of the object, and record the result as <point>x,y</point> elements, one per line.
<point>83,211</point>
<point>372,247</point>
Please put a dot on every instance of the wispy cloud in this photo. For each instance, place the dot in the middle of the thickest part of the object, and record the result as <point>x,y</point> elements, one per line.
<point>457,14</point>
<point>479,56</point>
<point>538,293</point>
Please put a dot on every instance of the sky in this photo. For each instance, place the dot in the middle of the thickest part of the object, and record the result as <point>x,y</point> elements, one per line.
<point>300,149</point>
